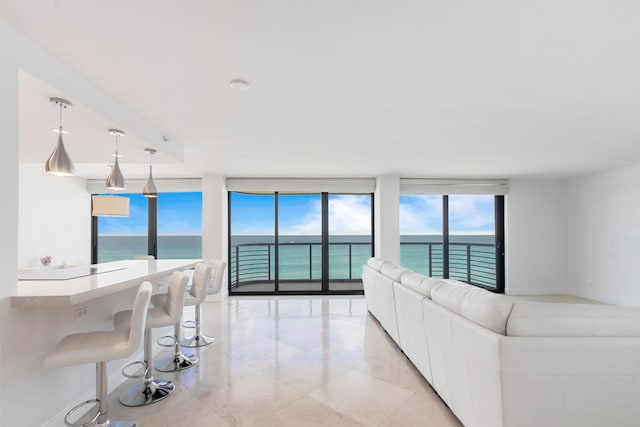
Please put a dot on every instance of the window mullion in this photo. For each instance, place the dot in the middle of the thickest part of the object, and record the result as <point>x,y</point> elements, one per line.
<point>445,236</point>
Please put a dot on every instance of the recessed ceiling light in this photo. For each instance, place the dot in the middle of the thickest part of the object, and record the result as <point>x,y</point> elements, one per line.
<point>239,84</point>
<point>57,130</point>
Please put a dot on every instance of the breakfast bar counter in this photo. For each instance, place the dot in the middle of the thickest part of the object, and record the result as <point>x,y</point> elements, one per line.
<point>76,285</point>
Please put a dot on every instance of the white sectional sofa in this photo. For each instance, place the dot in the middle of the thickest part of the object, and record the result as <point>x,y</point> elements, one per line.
<point>503,361</point>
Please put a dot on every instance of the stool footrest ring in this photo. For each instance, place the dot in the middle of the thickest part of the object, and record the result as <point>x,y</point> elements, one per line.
<point>167,341</point>
<point>77,407</point>
<point>138,362</point>
<point>189,324</point>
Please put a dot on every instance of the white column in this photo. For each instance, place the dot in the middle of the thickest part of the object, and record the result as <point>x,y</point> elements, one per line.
<point>9,223</point>
<point>214,223</point>
<point>387,218</point>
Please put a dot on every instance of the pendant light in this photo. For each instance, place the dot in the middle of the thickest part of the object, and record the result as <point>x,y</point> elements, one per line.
<point>150,189</point>
<point>115,180</point>
<point>59,163</point>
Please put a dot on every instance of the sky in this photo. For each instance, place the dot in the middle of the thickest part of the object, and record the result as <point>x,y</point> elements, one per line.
<point>351,214</point>
<point>468,214</point>
<point>178,213</point>
<point>181,213</point>
<point>299,214</point>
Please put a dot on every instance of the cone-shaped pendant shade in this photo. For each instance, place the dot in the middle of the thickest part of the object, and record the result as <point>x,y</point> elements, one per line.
<point>59,163</point>
<point>115,180</point>
<point>150,189</point>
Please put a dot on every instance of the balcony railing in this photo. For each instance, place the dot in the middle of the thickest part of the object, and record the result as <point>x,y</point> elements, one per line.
<point>301,262</point>
<point>473,263</point>
<point>255,262</point>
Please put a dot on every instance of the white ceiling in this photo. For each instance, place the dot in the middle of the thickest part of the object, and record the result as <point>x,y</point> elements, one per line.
<point>422,88</point>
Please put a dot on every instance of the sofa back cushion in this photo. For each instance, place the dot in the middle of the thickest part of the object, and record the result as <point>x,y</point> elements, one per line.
<point>392,271</point>
<point>540,319</point>
<point>376,263</point>
<point>419,282</point>
<point>478,305</point>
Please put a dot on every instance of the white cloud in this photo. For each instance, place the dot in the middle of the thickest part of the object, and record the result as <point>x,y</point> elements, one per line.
<point>421,214</point>
<point>471,213</point>
<point>348,215</point>
<point>468,214</point>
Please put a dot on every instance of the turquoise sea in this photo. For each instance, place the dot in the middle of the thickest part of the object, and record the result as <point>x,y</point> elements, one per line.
<point>115,248</point>
<point>299,258</point>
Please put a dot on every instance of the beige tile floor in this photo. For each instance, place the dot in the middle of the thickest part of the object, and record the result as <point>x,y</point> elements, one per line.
<point>294,361</point>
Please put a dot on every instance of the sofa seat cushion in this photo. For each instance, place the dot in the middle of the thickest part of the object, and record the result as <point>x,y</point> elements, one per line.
<point>485,308</point>
<point>392,271</point>
<point>540,319</point>
<point>376,263</point>
<point>419,282</point>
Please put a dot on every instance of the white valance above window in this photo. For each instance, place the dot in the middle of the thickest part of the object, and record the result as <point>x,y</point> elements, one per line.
<point>499,187</point>
<point>302,185</point>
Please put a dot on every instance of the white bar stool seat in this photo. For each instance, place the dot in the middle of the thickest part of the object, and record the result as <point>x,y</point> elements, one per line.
<point>179,361</point>
<point>100,347</point>
<point>152,390</point>
<point>197,297</point>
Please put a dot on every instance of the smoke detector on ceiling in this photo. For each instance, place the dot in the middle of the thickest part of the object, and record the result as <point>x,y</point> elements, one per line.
<point>239,84</point>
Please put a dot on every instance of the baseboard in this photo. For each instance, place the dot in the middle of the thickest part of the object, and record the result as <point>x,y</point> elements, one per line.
<point>538,291</point>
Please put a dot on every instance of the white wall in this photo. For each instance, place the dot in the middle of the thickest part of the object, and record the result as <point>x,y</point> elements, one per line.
<point>604,236</point>
<point>55,218</point>
<point>8,225</point>
<point>536,237</point>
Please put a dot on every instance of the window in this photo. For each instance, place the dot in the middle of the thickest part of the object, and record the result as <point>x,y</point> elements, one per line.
<point>179,225</point>
<point>298,243</point>
<point>454,236</point>
<point>167,227</point>
<point>121,238</point>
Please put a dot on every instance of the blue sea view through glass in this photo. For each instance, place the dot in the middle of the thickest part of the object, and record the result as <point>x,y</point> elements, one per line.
<point>114,248</point>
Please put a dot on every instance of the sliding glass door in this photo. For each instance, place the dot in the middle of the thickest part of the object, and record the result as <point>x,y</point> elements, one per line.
<point>252,238</point>
<point>350,239</point>
<point>472,239</point>
<point>455,237</point>
<point>299,243</point>
<point>421,234</point>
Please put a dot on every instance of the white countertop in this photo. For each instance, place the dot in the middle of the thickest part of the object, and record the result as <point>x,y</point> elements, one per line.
<point>121,275</point>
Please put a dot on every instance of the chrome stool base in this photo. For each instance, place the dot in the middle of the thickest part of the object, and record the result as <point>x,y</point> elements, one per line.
<point>197,341</point>
<point>147,393</point>
<point>175,363</point>
<point>117,424</point>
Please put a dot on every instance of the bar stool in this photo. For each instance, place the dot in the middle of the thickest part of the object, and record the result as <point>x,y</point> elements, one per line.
<point>180,361</point>
<point>212,286</point>
<point>100,347</point>
<point>152,390</point>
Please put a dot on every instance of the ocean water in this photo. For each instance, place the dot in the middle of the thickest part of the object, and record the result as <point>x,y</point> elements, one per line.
<point>472,257</point>
<point>253,258</point>
<point>115,248</point>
